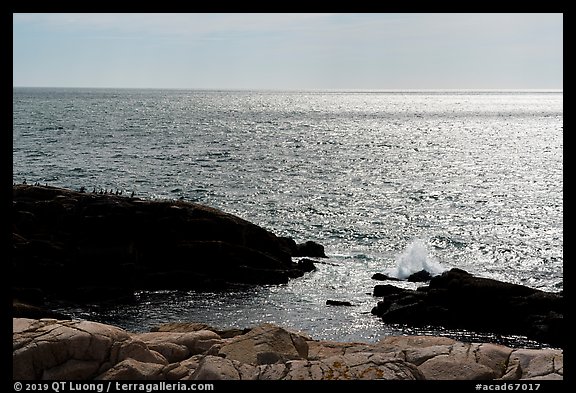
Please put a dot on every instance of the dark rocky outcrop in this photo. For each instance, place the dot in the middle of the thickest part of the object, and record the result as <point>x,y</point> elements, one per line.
<point>306,265</point>
<point>457,299</point>
<point>310,249</point>
<point>421,276</point>
<point>306,249</point>
<point>90,247</point>
<point>386,290</point>
<point>25,310</point>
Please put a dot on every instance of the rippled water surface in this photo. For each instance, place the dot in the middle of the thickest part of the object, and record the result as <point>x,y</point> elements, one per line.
<point>477,177</point>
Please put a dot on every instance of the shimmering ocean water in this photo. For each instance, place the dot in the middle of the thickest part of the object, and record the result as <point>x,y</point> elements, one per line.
<point>388,182</point>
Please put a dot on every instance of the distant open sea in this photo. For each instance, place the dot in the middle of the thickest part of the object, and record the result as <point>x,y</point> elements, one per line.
<point>387,181</point>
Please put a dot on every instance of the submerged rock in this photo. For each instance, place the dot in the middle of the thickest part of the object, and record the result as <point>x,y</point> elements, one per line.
<point>384,277</point>
<point>330,302</point>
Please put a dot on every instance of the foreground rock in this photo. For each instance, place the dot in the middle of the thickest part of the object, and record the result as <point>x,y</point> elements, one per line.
<point>457,299</point>
<point>89,247</point>
<point>50,349</point>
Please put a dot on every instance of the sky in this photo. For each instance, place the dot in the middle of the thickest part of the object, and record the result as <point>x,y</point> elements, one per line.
<point>386,51</point>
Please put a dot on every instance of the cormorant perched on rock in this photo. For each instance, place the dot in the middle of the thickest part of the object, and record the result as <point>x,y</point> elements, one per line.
<point>132,195</point>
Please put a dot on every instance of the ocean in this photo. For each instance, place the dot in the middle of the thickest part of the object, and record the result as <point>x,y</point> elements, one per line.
<point>388,181</point>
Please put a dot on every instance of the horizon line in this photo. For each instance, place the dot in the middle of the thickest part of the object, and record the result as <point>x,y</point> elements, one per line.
<point>352,89</point>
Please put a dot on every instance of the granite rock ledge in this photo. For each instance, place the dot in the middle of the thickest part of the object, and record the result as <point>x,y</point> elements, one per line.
<point>50,349</point>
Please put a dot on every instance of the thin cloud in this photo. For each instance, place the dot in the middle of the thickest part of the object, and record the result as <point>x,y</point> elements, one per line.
<point>173,24</point>
<point>346,28</point>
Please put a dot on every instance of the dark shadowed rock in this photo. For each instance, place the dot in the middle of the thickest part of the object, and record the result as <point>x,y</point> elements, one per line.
<point>24,310</point>
<point>89,247</point>
<point>306,265</point>
<point>310,249</point>
<point>421,276</point>
<point>457,299</point>
<point>289,245</point>
<point>387,289</point>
